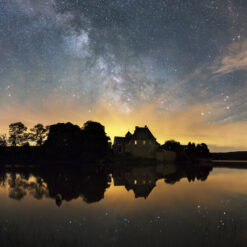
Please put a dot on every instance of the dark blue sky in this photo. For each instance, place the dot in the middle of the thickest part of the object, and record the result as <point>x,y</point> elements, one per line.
<point>60,57</point>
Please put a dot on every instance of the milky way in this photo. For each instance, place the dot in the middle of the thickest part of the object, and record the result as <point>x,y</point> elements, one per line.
<point>178,57</point>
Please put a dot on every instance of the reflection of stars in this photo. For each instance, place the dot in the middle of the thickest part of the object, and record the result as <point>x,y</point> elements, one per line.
<point>226,98</point>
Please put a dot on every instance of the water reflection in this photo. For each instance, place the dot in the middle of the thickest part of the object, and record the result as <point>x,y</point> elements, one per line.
<point>125,206</point>
<point>91,183</point>
<point>142,180</point>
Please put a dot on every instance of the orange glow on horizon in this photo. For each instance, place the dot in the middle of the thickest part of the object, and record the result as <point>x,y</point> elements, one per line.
<point>184,125</point>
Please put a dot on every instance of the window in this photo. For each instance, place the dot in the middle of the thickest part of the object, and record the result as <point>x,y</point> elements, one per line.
<point>135,142</point>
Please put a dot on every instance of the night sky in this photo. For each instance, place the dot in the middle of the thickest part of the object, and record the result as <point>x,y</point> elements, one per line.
<point>179,66</point>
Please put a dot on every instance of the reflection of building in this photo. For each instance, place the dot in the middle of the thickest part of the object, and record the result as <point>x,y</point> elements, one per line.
<point>141,144</point>
<point>142,180</point>
<point>91,183</point>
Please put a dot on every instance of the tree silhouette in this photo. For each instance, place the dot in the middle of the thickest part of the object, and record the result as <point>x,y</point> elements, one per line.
<point>95,139</point>
<point>191,148</point>
<point>17,134</point>
<point>38,134</point>
<point>64,140</point>
<point>3,141</point>
<point>172,145</point>
<point>202,150</point>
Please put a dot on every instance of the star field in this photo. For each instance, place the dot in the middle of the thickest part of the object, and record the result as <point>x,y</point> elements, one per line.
<point>105,60</point>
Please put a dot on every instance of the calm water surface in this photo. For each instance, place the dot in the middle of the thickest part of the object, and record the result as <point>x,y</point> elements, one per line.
<point>159,205</point>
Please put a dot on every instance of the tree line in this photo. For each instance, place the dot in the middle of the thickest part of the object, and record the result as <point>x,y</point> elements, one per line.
<point>20,136</point>
<point>192,149</point>
<point>63,141</point>
<point>59,141</point>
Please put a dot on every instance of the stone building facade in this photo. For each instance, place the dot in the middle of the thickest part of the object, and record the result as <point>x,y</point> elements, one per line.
<point>141,144</point>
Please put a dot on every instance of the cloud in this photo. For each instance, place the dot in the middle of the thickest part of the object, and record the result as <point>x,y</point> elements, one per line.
<point>234,60</point>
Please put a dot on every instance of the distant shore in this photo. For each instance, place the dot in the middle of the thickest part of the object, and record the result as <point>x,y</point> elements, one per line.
<point>230,163</point>
<point>240,155</point>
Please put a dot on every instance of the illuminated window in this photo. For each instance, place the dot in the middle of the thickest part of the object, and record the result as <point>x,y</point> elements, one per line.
<point>144,142</point>
<point>135,142</point>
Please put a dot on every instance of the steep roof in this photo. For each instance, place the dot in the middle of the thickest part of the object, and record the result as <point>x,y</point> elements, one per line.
<point>128,134</point>
<point>143,133</point>
<point>119,140</point>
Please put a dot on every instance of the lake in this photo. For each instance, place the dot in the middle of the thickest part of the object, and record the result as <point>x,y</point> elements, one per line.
<point>162,205</point>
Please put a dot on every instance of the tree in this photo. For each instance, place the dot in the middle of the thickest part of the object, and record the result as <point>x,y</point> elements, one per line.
<point>64,140</point>
<point>95,140</point>
<point>3,141</point>
<point>202,150</point>
<point>191,148</point>
<point>17,134</point>
<point>172,145</point>
<point>38,134</point>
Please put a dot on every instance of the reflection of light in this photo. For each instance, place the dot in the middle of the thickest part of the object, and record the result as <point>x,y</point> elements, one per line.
<point>135,181</point>
<point>181,193</point>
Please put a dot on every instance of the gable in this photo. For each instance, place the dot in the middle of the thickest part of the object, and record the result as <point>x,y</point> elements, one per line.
<point>143,134</point>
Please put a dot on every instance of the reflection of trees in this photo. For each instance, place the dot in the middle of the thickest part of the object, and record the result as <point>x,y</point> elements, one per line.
<point>191,173</point>
<point>70,184</point>
<point>20,184</point>
<point>91,184</point>
<point>64,185</point>
<point>3,177</point>
<point>142,180</point>
<point>94,186</point>
<point>198,173</point>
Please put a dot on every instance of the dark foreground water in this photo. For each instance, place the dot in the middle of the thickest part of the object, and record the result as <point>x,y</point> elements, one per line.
<point>159,205</point>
